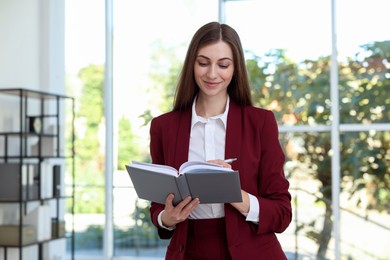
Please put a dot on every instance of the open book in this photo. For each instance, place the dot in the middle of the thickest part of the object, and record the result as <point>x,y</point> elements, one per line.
<point>209,182</point>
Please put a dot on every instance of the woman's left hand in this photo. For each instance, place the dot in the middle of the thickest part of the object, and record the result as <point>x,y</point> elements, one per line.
<point>243,206</point>
<point>221,162</point>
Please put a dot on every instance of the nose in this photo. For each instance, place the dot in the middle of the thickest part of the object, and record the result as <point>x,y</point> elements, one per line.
<point>212,72</point>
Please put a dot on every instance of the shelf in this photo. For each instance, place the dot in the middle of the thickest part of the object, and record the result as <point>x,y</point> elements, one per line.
<point>35,157</point>
<point>34,161</point>
<point>33,243</point>
<point>28,134</point>
<point>16,201</point>
<point>9,235</point>
<point>21,92</point>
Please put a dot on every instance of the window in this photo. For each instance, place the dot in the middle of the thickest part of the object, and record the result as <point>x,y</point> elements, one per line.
<point>289,59</point>
<point>288,47</point>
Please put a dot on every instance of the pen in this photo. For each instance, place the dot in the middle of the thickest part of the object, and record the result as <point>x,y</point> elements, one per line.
<point>230,160</point>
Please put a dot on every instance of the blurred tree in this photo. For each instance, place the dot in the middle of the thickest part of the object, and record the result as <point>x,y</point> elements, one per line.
<point>364,82</point>
<point>164,75</point>
<point>89,155</point>
<point>127,149</point>
<point>299,94</point>
<point>89,144</point>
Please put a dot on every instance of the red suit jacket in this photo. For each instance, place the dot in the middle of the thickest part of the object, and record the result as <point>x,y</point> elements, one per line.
<point>252,138</point>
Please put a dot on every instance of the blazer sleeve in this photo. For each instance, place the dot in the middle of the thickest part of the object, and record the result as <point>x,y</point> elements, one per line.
<point>274,197</point>
<point>157,154</point>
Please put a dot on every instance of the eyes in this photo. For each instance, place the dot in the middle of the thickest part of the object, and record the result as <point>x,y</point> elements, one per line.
<point>223,64</point>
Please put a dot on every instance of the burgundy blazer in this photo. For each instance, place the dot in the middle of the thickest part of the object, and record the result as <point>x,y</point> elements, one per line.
<point>252,138</point>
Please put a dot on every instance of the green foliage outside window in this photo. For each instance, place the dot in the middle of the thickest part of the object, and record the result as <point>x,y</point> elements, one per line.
<point>127,149</point>
<point>299,93</point>
<point>89,157</point>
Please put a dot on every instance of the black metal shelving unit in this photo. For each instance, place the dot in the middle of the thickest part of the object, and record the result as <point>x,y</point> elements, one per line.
<point>33,134</point>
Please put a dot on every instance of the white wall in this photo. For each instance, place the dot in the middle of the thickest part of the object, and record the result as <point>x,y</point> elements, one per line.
<point>32,57</point>
<point>32,45</point>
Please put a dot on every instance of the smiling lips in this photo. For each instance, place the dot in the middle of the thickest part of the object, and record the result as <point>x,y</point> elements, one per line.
<point>211,84</point>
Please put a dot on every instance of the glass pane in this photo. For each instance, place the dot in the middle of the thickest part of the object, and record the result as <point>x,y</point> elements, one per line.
<point>85,53</point>
<point>364,44</point>
<point>365,196</point>
<point>364,79</point>
<point>287,46</point>
<point>308,168</point>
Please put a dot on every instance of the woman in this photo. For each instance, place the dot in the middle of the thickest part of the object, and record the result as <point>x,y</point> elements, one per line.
<point>213,119</point>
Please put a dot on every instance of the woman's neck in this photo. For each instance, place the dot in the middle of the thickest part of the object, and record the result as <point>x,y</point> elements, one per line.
<point>210,106</point>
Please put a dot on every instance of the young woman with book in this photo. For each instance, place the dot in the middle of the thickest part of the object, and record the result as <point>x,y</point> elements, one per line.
<point>212,120</point>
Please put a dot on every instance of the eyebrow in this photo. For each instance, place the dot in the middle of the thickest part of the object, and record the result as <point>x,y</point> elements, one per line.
<point>207,58</point>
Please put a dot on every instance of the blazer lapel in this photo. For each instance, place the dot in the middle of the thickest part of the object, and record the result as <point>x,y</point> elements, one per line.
<point>233,134</point>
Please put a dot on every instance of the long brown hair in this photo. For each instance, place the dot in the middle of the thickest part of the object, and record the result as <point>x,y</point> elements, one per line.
<point>238,89</point>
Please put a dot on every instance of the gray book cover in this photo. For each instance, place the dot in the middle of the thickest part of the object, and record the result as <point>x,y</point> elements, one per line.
<point>210,186</point>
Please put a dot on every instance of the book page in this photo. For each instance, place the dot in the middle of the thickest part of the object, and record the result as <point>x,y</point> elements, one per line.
<point>155,168</point>
<point>199,166</point>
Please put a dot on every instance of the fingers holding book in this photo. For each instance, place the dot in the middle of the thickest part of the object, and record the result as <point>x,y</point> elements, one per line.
<point>225,163</point>
<point>173,215</point>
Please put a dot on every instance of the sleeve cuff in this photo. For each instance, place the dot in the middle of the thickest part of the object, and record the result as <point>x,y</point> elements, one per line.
<point>161,224</point>
<point>254,210</point>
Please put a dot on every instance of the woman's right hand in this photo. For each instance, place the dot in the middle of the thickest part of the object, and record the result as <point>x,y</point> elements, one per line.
<point>173,215</point>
